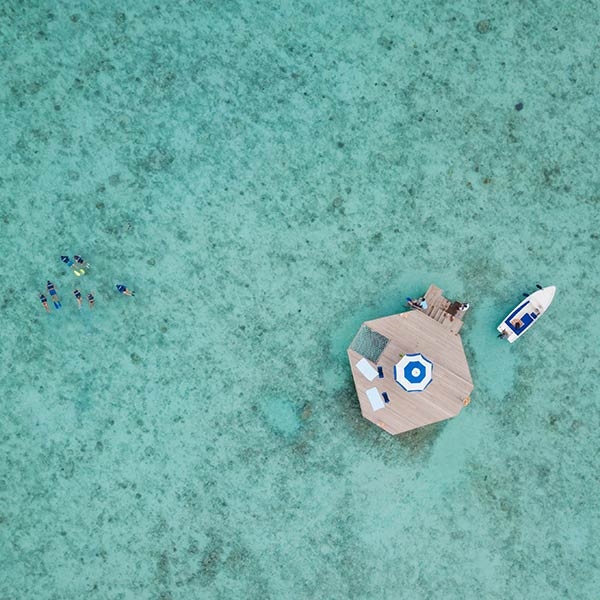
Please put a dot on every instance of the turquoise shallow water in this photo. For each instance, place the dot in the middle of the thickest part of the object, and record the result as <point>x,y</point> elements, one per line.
<point>266,176</point>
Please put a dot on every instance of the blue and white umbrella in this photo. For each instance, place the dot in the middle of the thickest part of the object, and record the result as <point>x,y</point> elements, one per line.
<point>413,372</point>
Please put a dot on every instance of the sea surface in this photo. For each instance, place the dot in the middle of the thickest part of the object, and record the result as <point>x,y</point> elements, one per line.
<point>267,175</point>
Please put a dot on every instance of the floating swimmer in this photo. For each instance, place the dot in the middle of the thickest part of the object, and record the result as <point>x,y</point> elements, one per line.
<point>71,264</point>
<point>77,295</point>
<point>44,302</point>
<point>90,299</point>
<point>123,290</point>
<point>53,295</point>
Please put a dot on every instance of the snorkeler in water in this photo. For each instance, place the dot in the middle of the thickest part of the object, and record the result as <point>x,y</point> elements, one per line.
<point>124,290</point>
<point>90,299</point>
<point>81,262</point>
<point>44,302</point>
<point>77,295</point>
<point>53,295</point>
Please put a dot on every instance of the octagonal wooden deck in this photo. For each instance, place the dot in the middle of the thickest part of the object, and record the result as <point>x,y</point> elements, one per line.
<point>382,342</point>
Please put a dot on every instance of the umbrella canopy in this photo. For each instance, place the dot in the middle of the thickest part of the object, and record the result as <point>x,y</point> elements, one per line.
<point>413,372</point>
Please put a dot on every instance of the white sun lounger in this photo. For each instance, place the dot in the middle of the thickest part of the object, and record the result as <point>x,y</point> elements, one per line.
<point>364,366</point>
<point>375,399</point>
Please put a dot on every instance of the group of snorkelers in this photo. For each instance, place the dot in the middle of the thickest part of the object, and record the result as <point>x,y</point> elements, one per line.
<point>55,300</point>
<point>79,267</point>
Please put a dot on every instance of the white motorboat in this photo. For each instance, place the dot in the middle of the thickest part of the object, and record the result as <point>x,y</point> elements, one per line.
<point>521,318</point>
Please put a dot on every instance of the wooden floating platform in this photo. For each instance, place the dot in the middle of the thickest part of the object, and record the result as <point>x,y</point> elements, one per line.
<point>380,345</point>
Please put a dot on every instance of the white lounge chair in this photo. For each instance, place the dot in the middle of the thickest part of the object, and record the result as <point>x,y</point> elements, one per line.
<point>364,366</point>
<point>375,399</point>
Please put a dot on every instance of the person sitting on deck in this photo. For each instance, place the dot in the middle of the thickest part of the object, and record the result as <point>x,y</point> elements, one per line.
<point>420,303</point>
<point>455,307</point>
